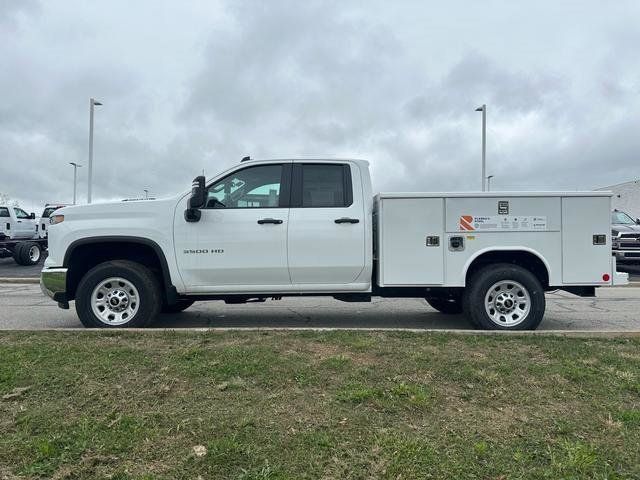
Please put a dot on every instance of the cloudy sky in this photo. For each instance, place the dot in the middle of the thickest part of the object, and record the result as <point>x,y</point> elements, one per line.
<point>189,85</point>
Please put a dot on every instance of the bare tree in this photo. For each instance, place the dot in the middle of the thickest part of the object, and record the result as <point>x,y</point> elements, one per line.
<point>5,199</point>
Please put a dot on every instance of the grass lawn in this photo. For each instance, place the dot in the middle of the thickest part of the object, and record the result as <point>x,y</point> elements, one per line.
<point>333,405</point>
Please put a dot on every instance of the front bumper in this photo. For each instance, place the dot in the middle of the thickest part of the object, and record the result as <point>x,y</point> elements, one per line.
<point>53,282</point>
<point>627,256</point>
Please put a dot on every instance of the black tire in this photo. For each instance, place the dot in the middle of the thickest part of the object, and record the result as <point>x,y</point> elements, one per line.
<point>145,282</point>
<point>448,306</point>
<point>17,253</point>
<point>180,306</point>
<point>30,253</point>
<point>481,283</point>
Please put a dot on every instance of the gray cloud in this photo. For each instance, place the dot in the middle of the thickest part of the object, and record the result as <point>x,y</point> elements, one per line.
<point>195,86</point>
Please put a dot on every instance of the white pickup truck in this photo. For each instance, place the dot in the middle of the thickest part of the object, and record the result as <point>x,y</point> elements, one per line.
<point>16,224</point>
<point>272,228</point>
<point>18,236</point>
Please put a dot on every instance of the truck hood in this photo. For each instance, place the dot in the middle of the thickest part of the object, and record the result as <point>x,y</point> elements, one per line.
<point>114,210</point>
<point>626,228</point>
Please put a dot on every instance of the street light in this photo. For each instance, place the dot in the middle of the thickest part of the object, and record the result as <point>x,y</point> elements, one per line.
<point>92,104</point>
<point>146,194</point>
<point>75,178</point>
<point>489,177</point>
<point>483,109</point>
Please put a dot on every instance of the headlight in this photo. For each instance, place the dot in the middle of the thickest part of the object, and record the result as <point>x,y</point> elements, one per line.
<point>615,233</point>
<point>56,219</point>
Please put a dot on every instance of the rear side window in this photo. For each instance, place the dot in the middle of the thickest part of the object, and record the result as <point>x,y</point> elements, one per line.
<point>4,212</point>
<point>323,185</point>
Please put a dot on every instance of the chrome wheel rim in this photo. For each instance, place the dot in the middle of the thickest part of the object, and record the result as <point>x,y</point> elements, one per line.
<point>115,301</point>
<point>507,303</point>
<point>34,253</point>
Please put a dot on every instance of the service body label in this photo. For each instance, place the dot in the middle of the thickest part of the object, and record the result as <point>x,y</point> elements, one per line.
<point>502,223</point>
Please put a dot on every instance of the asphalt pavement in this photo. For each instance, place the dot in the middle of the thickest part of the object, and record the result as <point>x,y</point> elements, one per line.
<point>23,306</point>
<point>10,269</point>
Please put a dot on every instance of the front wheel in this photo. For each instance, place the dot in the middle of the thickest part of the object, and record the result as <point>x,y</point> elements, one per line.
<point>118,293</point>
<point>504,297</point>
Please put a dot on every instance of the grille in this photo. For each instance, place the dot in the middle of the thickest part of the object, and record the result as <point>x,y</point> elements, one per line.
<point>630,235</point>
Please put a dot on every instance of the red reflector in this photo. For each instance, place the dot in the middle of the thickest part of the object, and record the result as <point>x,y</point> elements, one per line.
<point>606,277</point>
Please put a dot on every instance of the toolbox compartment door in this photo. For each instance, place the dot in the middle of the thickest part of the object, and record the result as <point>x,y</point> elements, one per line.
<point>405,257</point>
<point>582,260</point>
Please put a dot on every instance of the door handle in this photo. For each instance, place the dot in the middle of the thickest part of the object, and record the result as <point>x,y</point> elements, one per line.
<point>276,221</point>
<point>347,220</point>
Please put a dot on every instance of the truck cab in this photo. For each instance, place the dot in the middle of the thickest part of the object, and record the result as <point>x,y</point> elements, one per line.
<point>279,226</point>
<point>16,224</point>
<point>288,227</point>
<point>43,221</point>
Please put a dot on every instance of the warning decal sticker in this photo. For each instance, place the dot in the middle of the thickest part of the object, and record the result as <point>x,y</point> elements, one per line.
<point>502,223</point>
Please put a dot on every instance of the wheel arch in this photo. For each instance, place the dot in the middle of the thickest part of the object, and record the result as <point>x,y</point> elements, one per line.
<point>525,257</point>
<point>85,253</point>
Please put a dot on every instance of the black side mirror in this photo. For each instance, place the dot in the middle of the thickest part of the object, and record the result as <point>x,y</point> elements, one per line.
<point>32,216</point>
<point>637,221</point>
<point>197,199</point>
<point>198,193</point>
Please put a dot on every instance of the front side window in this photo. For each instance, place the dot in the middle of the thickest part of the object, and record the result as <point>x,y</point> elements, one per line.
<point>621,218</point>
<point>325,186</point>
<point>20,213</point>
<point>253,187</point>
<point>4,212</point>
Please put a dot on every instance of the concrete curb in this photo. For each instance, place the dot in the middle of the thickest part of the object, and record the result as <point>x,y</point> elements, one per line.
<point>535,333</point>
<point>19,279</point>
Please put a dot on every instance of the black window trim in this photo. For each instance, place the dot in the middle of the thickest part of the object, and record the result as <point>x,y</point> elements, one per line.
<point>296,189</point>
<point>284,197</point>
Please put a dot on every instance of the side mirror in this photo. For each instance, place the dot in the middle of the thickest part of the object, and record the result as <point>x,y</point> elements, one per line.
<point>197,200</point>
<point>637,221</point>
<point>32,216</point>
<point>198,193</point>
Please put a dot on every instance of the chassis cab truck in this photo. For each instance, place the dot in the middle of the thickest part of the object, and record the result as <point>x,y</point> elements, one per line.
<point>273,228</point>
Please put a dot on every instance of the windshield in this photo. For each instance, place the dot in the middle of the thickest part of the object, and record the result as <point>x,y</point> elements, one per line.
<point>621,218</point>
<point>48,211</point>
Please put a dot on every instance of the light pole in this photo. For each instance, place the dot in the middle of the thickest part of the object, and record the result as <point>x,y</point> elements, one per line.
<point>146,194</point>
<point>75,179</point>
<point>92,104</point>
<point>489,177</point>
<point>483,109</point>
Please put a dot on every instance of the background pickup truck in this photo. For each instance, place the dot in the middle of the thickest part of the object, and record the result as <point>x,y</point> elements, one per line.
<point>625,238</point>
<point>18,236</point>
<point>270,228</point>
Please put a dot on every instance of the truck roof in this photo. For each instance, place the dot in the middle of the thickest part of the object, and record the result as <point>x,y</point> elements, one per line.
<point>328,159</point>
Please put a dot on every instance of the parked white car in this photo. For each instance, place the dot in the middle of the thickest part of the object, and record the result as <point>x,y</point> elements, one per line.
<point>272,228</point>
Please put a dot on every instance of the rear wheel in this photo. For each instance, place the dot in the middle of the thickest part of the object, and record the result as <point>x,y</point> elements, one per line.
<point>504,297</point>
<point>448,306</point>
<point>27,253</point>
<point>118,293</point>
<point>31,253</point>
<point>178,307</point>
<point>17,253</point>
